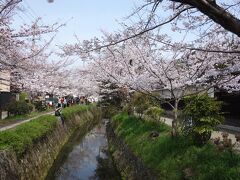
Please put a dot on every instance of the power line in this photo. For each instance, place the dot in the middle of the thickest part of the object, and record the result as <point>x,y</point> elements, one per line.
<point>32,11</point>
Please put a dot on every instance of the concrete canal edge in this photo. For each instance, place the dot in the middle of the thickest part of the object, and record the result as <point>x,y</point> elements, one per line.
<point>127,163</point>
<point>37,161</point>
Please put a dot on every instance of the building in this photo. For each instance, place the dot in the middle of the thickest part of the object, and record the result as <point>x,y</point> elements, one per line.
<point>230,106</point>
<point>4,81</point>
<point>5,95</point>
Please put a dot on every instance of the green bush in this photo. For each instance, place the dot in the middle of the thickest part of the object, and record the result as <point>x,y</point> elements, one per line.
<point>30,107</point>
<point>40,106</point>
<point>141,102</point>
<point>202,115</point>
<point>109,111</point>
<point>19,107</point>
<point>154,113</point>
<point>23,96</point>
<point>128,108</point>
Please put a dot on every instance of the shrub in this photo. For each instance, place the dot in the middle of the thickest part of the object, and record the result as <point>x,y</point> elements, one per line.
<point>19,107</point>
<point>23,96</point>
<point>154,113</point>
<point>40,106</point>
<point>110,111</point>
<point>31,107</point>
<point>128,108</point>
<point>202,115</point>
<point>141,102</point>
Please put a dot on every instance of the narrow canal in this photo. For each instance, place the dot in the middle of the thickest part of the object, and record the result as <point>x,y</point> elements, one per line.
<point>85,158</point>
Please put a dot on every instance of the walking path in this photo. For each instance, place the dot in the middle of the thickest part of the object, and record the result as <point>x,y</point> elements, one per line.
<point>24,121</point>
<point>231,130</point>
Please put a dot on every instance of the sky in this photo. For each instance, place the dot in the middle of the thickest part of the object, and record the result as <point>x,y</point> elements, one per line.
<point>84,18</point>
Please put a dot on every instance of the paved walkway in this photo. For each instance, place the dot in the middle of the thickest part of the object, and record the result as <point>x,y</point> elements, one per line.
<point>231,130</point>
<point>24,121</point>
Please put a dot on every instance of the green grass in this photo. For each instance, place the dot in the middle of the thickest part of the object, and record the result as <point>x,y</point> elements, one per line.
<point>23,136</point>
<point>13,119</point>
<point>69,111</point>
<point>169,157</point>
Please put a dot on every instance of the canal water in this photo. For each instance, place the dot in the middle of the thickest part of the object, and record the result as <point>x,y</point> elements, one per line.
<point>86,158</point>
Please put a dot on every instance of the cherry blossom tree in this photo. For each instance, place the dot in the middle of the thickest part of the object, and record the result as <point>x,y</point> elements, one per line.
<point>24,50</point>
<point>144,57</point>
<point>139,64</point>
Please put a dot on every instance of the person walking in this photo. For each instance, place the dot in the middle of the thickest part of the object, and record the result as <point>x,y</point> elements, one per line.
<point>64,102</point>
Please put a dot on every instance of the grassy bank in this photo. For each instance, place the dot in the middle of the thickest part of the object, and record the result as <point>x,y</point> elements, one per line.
<point>23,136</point>
<point>13,119</point>
<point>175,158</point>
<point>69,111</point>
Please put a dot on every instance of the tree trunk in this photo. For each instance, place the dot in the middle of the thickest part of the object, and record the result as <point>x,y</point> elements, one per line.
<point>175,120</point>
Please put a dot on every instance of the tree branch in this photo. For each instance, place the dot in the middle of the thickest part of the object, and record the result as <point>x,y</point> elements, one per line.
<point>218,14</point>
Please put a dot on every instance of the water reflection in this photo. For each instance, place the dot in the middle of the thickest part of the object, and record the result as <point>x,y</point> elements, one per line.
<point>87,160</point>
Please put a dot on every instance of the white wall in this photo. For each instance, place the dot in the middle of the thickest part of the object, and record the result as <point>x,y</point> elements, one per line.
<point>4,81</point>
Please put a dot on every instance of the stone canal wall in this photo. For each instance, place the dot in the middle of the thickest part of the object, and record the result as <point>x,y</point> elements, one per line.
<point>37,160</point>
<point>127,163</point>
